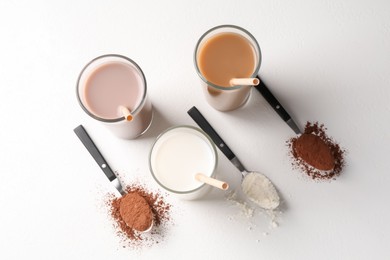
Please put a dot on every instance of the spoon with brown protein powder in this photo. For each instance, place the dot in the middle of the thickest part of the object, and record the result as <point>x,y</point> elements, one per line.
<point>134,209</point>
<point>316,154</point>
<point>314,151</point>
<point>256,186</point>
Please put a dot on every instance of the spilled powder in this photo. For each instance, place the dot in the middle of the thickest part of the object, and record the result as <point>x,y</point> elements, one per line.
<point>251,212</point>
<point>245,209</point>
<point>129,236</point>
<point>316,154</point>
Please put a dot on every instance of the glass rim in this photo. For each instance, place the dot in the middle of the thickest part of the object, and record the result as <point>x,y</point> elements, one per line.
<point>211,144</point>
<point>111,120</point>
<point>257,46</point>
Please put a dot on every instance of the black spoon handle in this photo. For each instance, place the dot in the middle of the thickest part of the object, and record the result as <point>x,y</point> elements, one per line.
<point>271,99</point>
<point>205,126</point>
<point>93,150</point>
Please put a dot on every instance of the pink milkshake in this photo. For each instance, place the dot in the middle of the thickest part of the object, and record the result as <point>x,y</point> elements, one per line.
<point>110,85</point>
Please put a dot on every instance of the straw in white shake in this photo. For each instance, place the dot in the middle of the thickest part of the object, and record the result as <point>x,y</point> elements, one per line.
<point>211,181</point>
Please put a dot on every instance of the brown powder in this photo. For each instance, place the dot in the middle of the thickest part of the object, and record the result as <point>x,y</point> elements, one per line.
<point>135,211</point>
<point>314,151</point>
<point>316,154</point>
<point>129,234</point>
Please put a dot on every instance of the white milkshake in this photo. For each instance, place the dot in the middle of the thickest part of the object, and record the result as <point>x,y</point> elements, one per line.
<point>178,155</point>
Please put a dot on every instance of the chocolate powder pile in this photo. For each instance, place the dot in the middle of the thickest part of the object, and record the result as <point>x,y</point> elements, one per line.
<point>135,211</point>
<point>316,154</point>
<point>128,234</point>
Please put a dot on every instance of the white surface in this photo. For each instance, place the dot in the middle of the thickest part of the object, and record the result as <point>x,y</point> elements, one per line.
<point>325,60</point>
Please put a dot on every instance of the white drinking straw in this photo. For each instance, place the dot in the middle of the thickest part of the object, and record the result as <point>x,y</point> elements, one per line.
<point>126,113</point>
<point>244,82</point>
<point>211,181</point>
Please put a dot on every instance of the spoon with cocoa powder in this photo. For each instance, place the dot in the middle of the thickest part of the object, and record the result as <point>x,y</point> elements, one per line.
<point>134,209</point>
<point>316,154</point>
<point>136,212</point>
<point>314,151</point>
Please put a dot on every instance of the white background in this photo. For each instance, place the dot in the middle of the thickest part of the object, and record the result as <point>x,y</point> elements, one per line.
<point>326,61</point>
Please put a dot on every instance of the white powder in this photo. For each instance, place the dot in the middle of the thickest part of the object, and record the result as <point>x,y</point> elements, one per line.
<point>249,212</point>
<point>246,210</point>
<point>274,224</point>
<point>260,190</point>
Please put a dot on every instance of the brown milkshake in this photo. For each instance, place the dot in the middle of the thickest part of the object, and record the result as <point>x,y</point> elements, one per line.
<point>224,53</point>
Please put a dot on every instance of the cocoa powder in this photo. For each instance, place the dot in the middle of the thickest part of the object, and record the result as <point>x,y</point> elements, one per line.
<point>314,151</point>
<point>316,154</point>
<point>128,233</point>
<point>135,211</point>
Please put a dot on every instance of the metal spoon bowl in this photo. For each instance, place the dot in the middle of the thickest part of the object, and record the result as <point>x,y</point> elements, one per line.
<point>149,228</point>
<point>256,186</point>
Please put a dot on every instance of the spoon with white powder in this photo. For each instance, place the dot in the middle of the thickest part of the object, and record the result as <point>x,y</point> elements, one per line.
<point>256,186</point>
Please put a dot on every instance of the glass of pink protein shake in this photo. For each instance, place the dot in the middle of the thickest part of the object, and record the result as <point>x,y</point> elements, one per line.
<point>112,89</point>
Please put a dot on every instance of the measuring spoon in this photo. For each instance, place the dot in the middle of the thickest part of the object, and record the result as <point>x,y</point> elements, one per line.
<point>256,186</point>
<point>94,151</point>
